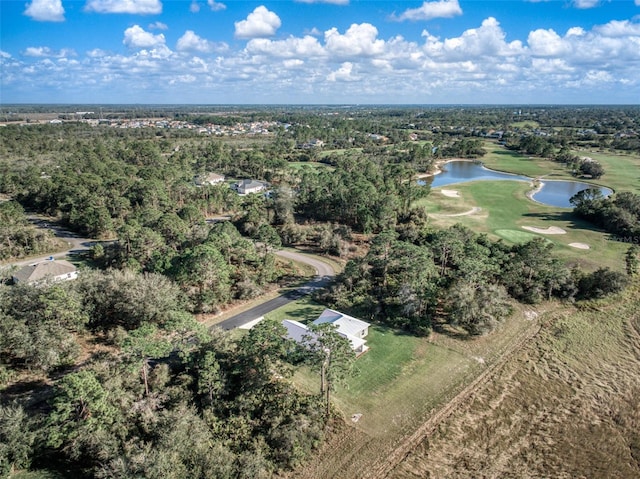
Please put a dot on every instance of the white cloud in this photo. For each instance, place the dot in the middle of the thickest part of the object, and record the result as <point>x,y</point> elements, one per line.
<point>43,52</point>
<point>547,43</point>
<point>292,47</point>
<point>358,40</point>
<point>580,65</point>
<point>259,23</point>
<point>616,28</point>
<point>45,10</point>
<point>158,26</point>
<point>586,3</point>
<point>137,37</point>
<point>216,6</point>
<point>344,73</point>
<point>194,7</point>
<point>430,10</point>
<point>190,41</point>
<point>488,40</point>
<point>136,7</point>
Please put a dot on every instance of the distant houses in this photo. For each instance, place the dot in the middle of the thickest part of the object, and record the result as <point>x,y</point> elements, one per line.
<point>50,270</point>
<point>208,179</point>
<point>353,329</point>
<point>245,187</point>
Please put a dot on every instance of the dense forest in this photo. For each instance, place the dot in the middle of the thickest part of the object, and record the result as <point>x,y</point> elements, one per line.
<point>111,375</point>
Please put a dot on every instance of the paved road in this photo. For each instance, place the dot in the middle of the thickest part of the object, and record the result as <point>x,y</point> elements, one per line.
<point>324,274</point>
<point>76,244</point>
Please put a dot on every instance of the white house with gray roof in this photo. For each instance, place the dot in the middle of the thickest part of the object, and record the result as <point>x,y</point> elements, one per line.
<point>50,270</point>
<point>353,329</point>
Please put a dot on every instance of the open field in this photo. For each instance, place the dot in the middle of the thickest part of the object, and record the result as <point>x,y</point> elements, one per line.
<point>622,171</point>
<point>398,385</point>
<point>506,209</point>
<point>566,406</point>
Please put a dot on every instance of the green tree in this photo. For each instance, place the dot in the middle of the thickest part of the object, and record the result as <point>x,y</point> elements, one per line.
<point>330,354</point>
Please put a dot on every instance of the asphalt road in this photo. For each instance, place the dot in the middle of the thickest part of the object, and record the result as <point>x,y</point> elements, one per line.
<point>76,244</point>
<point>324,274</point>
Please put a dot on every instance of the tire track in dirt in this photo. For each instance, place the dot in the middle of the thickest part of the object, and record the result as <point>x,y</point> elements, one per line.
<point>386,464</point>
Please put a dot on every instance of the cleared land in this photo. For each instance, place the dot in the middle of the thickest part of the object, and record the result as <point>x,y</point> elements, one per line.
<point>401,382</point>
<point>567,405</point>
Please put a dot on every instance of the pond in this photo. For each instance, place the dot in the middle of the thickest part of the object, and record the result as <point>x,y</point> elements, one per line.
<point>553,192</point>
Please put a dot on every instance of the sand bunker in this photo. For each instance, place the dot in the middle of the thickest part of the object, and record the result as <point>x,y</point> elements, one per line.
<point>451,193</point>
<point>551,230</point>
<point>579,245</point>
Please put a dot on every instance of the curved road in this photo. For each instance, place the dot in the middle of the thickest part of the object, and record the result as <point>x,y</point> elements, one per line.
<point>324,274</point>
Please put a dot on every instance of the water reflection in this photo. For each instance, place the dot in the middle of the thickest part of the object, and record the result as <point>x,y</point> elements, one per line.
<point>553,192</point>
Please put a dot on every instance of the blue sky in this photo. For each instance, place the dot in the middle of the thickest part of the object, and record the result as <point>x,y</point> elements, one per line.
<point>320,51</point>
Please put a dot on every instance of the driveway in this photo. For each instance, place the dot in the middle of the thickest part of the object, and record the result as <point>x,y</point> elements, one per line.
<point>324,275</point>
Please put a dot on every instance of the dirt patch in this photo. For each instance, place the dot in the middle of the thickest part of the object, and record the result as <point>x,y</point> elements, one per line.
<point>579,245</point>
<point>451,193</point>
<point>551,230</point>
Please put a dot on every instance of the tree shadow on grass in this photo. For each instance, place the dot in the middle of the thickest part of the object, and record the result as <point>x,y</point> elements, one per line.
<point>565,216</point>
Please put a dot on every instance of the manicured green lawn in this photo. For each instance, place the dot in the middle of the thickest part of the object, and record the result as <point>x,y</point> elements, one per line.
<point>506,209</point>
<point>622,172</point>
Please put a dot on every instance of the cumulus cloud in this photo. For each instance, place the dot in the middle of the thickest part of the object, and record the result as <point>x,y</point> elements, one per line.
<point>547,43</point>
<point>344,73</point>
<point>136,7</point>
<point>216,6</point>
<point>487,40</point>
<point>358,40</point>
<point>616,28</point>
<point>45,10</point>
<point>431,10</point>
<point>259,23</point>
<point>292,47</point>
<point>137,37</point>
<point>190,41</point>
<point>468,66</point>
<point>586,3</point>
<point>43,52</point>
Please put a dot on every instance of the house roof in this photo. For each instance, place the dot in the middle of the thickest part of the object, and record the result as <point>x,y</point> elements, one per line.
<point>346,324</point>
<point>296,330</point>
<point>43,270</point>
<point>248,184</point>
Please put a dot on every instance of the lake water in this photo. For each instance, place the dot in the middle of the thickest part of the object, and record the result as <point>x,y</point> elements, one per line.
<point>553,192</point>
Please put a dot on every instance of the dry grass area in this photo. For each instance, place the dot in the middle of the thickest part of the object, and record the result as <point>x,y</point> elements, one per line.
<point>567,405</point>
<point>403,384</point>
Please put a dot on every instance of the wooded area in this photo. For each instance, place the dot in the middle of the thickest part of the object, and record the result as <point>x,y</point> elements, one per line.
<point>110,375</point>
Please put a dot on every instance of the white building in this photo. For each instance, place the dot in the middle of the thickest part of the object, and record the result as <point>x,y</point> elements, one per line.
<point>355,330</point>
<point>51,270</point>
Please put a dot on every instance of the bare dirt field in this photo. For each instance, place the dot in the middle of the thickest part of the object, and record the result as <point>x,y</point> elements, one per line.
<point>565,406</point>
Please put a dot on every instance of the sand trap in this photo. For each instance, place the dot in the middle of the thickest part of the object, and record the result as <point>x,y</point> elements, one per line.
<point>579,245</point>
<point>472,211</point>
<point>451,193</point>
<point>551,230</point>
